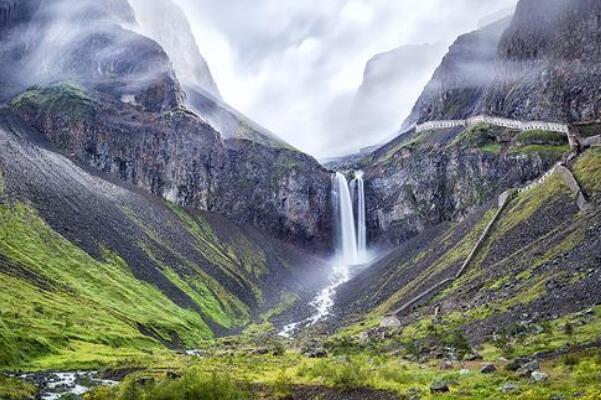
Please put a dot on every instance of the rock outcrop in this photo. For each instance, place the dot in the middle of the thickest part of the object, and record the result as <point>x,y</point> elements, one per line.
<point>124,112</point>
<point>542,65</point>
<point>444,176</point>
<point>458,84</point>
<point>549,63</point>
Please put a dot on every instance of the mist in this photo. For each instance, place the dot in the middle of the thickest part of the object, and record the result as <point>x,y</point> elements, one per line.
<point>296,66</point>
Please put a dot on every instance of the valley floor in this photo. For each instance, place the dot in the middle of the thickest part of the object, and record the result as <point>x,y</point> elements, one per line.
<point>390,365</point>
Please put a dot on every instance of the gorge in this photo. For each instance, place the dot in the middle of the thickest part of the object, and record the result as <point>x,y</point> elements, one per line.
<point>158,243</point>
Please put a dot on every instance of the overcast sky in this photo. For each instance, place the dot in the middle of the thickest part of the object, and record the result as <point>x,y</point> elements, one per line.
<point>294,65</point>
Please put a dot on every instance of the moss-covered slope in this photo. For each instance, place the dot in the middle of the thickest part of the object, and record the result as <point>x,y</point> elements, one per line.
<point>92,271</point>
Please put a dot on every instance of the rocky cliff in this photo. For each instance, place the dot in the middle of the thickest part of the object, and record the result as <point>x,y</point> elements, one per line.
<point>458,84</point>
<point>549,63</point>
<point>123,112</point>
<point>425,179</point>
<point>543,64</point>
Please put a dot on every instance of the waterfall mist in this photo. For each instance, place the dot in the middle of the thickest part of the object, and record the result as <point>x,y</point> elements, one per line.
<point>351,246</point>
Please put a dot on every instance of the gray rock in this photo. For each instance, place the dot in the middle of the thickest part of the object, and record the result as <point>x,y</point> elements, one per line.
<point>539,376</point>
<point>528,368</point>
<point>390,322</point>
<point>509,388</point>
<point>488,369</point>
<point>446,364</point>
<point>516,364</point>
<point>439,387</point>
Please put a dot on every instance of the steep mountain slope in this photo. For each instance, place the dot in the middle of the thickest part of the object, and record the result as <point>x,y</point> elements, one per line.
<point>165,22</point>
<point>549,63</point>
<point>457,86</point>
<point>128,223</point>
<point>543,65</point>
<point>540,263</point>
<point>154,274</point>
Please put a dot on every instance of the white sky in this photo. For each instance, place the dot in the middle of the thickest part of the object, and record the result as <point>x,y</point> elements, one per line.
<point>294,65</point>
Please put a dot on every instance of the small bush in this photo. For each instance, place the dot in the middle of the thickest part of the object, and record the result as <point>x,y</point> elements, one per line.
<point>192,386</point>
<point>282,387</point>
<point>347,374</point>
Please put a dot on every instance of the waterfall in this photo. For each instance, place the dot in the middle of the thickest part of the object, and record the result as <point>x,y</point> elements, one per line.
<point>361,227</point>
<point>345,219</point>
<point>351,247</point>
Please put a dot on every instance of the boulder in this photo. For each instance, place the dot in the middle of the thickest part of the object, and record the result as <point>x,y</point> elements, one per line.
<point>509,388</point>
<point>488,369</point>
<point>516,364</point>
<point>390,322</point>
<point>439,387</point>
<point>446,364</point>
<point>539,376</point>
<point>528,368</point>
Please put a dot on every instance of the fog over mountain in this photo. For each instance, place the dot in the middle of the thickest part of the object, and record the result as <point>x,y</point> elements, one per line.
<point>295,66</point>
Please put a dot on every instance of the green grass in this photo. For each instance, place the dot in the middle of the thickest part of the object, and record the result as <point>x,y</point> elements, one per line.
<point>66,99</point>
<point>221,375</point>
<point>194,384</point>
<point>588,171</point>
<point>62,307</point>
<point>14,389</point>
<point>547,152</point>
<point>546,138</point>
<point>589,130</point>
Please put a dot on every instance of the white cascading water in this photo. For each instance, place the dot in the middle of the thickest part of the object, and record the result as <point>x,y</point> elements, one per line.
<point>361,226</point>
<point>345,221</point>
<point>351,248</point>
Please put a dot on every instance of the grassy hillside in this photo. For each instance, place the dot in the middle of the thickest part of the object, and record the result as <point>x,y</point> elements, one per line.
<point>92,272</point>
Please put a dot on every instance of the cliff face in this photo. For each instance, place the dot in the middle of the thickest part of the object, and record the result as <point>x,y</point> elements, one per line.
<point>433,177</point>
<point>177,156</point>
<point>165,22</point>
<point>457,86</point>
<point>549,63</point>
<point>543,65</point>
<point>124,113</point>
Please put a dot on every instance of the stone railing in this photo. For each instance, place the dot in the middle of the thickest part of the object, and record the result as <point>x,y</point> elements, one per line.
<point>497,121</point>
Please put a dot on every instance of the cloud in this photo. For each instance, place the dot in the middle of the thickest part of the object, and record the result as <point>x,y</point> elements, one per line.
<point>295,65</point>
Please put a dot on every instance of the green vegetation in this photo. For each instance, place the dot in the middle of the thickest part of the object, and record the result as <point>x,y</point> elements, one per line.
<point>589,130</point>
<point>588,171</point>
<point>539,137</point>
<point>194,384</point>
<point>63,308</point>
<point>527,203</point>
<point>547,152</point>
<point>15,389</point>
<point>479,135</point>
<point>276,377</point>
<point>67,99</point>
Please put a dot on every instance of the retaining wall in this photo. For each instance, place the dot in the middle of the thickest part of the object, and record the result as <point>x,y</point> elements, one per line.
<point>497,121</point>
